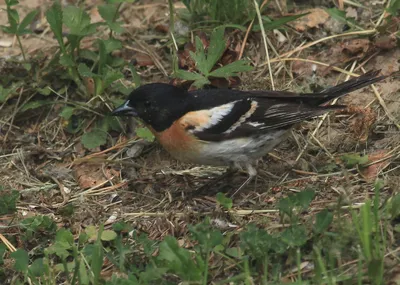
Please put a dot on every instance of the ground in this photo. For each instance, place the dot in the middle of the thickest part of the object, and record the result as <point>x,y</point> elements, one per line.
<point>129,179</point>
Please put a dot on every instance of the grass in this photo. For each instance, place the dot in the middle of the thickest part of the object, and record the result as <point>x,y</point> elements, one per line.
<point>87,200</point>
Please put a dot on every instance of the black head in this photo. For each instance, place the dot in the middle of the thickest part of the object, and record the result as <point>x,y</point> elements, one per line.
<point>157,104</point>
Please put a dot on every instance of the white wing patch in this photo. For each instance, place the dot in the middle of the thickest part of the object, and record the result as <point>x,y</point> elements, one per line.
<point>243,118</point>
<point>256,124</point>
<point>215,115</point>
<point>274,110</point>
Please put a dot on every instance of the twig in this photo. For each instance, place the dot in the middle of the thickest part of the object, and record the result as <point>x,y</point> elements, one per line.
<point>14,114</point>
<point>265,43</point>
<point>245,39</point>
<point>378,23</point>
<point>320,122</point>
<point>366,32</point>
<point>383,104</point>
<point>315,62</point>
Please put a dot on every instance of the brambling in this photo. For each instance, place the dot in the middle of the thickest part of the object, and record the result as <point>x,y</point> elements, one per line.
<point>224,127</point>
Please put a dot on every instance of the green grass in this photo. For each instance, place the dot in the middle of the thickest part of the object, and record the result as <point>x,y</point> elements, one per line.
<point>323,248</point>
<point>338,244</point>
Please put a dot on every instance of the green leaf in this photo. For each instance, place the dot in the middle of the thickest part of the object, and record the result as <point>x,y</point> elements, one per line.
<point>77,20</point>
<point>85,71</point>
<point>112,45</point>
<point>67,112</point>
<point>88,54</point>
<point>145,133</point>
<point>232,69</point>
<point>394,7</point>
<point>13,19</point>
<point>108,13</point>
<point>295,236</point>
<point>178,260</point>
<point>35,104</point>
<point>135,75</point>
<point>7,30</point>
<point>200,57</point>
<point>25,22</point>
<point>201,82</point>
<point>110,77</point>
<point>122,226</point>
<point>65,238</point>
<point>66,211</point>
<point>186,75</point>
<point>322,222</point>
<point>39,227</point>
<point>102,57</point>
<point>303,198</point>
<point>8,201</point>
<point>21,258</point>
<point>91,232</point>
<point>97,257</point>
<point>37,268</point>
<point>340,15</point>
<point>54,17</point>
<point>46,91</point>
<point>3,250</point>
<point>94,138</point>
<point>234,26</point>
<point>216,48</point>
<point>394,206</point>
<point>111,123</point>
<point>206,236</point>
<point>352,159</point>
<point>83,274</point>
<point>224,201</point>
<point>299,200</point>
<point>66,60</point>
<point>11,3</point>
<point>108,235</point>
<point>258,243</point>
<point>270,24</point>
<point>116,62</point>
<point>234,252</point>
<point>4,92</point>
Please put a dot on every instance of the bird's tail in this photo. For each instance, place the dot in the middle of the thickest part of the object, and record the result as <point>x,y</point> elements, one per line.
<point>349,86</point>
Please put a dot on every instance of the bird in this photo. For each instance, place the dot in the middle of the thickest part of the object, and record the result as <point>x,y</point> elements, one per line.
<point>227,127</point>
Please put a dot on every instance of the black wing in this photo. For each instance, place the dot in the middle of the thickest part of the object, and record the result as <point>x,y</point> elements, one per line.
<point>236,114</point>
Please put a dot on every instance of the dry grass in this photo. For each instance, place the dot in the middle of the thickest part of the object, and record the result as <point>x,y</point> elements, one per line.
<point>41,160</point>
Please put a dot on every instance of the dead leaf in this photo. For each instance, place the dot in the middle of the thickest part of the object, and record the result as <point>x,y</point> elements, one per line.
<point>90,86</point>
<point>316,17</point>
<point>143,59</point>
<point>338,55</point>
<point>351,13</point>
<point>386,42</point>
<point>162,28</point>
<point>371,172</point>
<point>91,175</point>
<point>184,58</point>
<point>362,122</point>
<point>355,47</point>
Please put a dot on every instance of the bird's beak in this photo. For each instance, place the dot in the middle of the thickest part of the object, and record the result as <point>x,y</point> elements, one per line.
<point>124,110</point>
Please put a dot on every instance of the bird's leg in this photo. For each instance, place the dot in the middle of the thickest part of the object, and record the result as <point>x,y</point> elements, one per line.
<point>252,173</point>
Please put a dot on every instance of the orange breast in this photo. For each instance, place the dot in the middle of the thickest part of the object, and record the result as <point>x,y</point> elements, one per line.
<point>178,141</point>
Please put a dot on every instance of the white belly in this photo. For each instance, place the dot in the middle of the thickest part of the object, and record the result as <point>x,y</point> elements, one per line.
<point>239,151</point>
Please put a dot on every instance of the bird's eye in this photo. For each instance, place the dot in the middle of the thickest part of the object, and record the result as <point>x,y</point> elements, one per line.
<point>147,104</point>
